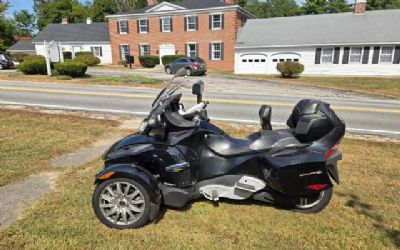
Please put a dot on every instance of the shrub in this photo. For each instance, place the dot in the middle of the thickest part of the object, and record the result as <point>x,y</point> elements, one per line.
<point>84,53</point>
<point>71,68</point>
<point>89,60</point>
<point>169,58</point>
<point>124,63</point>
<point>19,56</point>
<point>64,77</point>
<point>34,57</point>
<point>67,55</point>
<point>289,69</point>
<point>33,67</point>
<point>149,61</point>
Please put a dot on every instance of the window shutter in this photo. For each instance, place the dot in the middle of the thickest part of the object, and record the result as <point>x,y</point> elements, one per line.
<point>318,56</point>
<point>210,22</point>
<point>222,51</point>
<point>186,49</point>
<point>147,25</point>
<point>172,25</point>
<point>197,49</point>
<point>138,26</point>
<point>149,50</point>
<point>129,49</point>
<point>365,55</point>
<point>101,51</point>
<point>160,25</point>
<point>222,21</point>
<point>336,55</point>
<point>375,56</point>
<point>118,28</point>
<point>139,50</point>
<point>185,23</point>
<point>346,55</point>
<point>209,51</point>
<point>120,52</point>
<point>396,59</point>
<point>127,27</point>
<point>197,22</point>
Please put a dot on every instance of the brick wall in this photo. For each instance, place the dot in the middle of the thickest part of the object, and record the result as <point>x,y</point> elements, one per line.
<point>178,37</point>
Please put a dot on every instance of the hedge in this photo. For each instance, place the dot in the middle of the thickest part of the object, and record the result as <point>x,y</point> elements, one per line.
<point>149,61</point>
<point>89,60</point>
<point>71,68</point>
<point>289,69</point>
<point>67,55</point>
<point>83,53</point>
<point>19,56</point>
<point>169,58</point>
<point>33,57</point>
<point>33,67</point>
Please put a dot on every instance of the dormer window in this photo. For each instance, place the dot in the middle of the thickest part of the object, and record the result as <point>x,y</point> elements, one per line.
<point>166,24</point>
<point>123,27</point>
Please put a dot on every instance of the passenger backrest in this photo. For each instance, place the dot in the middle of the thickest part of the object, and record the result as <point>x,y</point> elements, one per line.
<point>308,122</point>
<point>265,117</point>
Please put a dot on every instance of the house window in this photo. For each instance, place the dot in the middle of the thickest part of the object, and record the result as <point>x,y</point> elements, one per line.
<point>191,50</point>
<point>216,51</point>
<point>191,23</point>
<point>386,55</point>
<point>97,51</point>
<point>216,22</point>
<point>355,54</point>
<point>166,24</point>
<point>144,49</point>
<point>327,55</point>
<point>123,27</point>
<point>143,25</point>
<point>124,49</point>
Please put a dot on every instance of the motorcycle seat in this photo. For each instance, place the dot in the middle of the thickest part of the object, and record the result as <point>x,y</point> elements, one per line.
<point>259,142</point>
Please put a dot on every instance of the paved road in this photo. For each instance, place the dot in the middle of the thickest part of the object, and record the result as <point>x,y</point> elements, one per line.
<point>362,113</point>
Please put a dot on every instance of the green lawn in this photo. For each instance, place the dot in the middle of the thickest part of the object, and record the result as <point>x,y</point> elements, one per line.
<point>364,214</point>
<point>29,139</point>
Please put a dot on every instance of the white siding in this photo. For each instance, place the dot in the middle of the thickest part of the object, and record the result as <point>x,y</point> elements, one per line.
<point>106,49</point>
<point>307,58</point>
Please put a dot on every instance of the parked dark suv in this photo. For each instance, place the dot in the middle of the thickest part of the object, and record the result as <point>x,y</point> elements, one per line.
<point>5,62</point>
<point>193,66</point>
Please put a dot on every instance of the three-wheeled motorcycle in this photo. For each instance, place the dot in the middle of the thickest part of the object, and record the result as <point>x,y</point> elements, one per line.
<point>179,155</point>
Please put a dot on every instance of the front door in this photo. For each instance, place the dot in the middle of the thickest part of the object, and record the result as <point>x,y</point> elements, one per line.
<point>166,49</point>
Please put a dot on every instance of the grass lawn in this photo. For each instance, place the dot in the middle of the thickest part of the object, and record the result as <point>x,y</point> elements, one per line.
<point>29,139</point>
<point>364,214</point>
<point>99,80</point>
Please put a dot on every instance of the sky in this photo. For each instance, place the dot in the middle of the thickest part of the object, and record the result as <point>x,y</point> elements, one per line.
<point>17,5</point>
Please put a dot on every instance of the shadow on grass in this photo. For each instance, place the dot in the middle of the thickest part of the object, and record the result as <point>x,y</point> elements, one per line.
<point>367,210</point>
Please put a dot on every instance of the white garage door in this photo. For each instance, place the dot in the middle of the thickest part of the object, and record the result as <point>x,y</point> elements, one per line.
<point>253,64</point>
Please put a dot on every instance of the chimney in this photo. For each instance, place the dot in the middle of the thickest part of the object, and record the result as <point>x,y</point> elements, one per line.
<point>89,20</point>
<point>152,2</point>
<point>360,6</point>
<point>64,20</point>
<point>229,1</point>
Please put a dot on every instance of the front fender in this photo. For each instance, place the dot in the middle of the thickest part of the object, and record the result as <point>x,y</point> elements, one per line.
<point>134,172</point>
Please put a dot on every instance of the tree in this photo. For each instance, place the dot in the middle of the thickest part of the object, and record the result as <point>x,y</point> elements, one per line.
<point>52,11</point>
<point>101,8</point>
<point>325,6</point>
<point>25,22</point>
<point>241,3</point>
<point>272,8</point>
<point>383,4</point>
<point>6,28</point>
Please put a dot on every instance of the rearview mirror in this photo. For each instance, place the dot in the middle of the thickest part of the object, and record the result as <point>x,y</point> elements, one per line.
<point>181,72</point>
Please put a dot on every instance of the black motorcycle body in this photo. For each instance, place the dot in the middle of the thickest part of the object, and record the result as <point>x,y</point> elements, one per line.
<point>181,157</point>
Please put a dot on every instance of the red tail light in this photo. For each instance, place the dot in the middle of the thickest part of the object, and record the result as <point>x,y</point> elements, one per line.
<point>195,65</point>
<point>316,186</point>
<point>331,151</point>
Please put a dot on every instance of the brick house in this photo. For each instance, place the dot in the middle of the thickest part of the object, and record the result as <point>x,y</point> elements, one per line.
<point>201,28</point>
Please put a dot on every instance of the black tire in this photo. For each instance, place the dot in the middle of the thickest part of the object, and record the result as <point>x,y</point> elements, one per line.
<point>320,204</point>
<point>188,71</point>
<point>141,221</point>
<point>168,70</point>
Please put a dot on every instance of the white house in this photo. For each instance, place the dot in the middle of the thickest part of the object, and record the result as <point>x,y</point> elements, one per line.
<point>77,37</point>
<point>358,43</point>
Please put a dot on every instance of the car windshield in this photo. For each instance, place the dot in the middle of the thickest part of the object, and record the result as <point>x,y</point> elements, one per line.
<point>198,59</point>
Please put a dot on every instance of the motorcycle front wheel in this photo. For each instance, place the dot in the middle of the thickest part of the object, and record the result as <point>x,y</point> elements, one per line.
<point>313,203</point>
<point>121,203</point>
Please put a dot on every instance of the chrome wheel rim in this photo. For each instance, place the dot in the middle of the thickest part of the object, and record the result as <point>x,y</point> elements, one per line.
<point>310,201</point>
<point>122,203</point>
<point>188,72</point>
<point>168,71</point>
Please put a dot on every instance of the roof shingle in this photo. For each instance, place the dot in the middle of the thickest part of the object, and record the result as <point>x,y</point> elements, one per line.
<point>23,45</point>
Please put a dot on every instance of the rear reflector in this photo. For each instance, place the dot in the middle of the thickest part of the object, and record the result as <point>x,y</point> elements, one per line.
<point>331,151</point>
<point>316,186</point>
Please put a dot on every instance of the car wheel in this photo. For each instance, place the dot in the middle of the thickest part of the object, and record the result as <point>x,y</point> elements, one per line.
<point>188,72</point>
<point>314,203</point>
<point>168,70</point>
<point>121,203</point>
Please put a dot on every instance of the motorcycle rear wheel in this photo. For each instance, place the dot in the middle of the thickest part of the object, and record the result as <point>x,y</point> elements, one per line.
<point>314,203</point>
